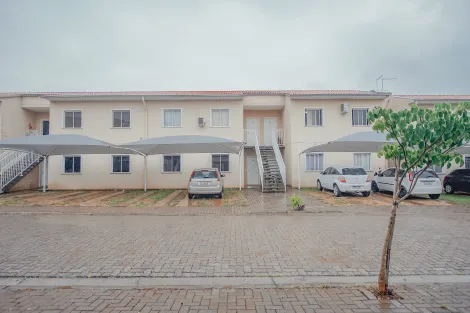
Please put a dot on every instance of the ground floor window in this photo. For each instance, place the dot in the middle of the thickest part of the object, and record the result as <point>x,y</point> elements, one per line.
<point>221,161</point>
<point>121,164</point>
<point>72,164</point>
<point>467,162</point>
<point>314,162</point>
<point>362,160</point>
<point>171,163</point>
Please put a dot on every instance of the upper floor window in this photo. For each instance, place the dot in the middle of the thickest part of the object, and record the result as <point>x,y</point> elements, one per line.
<point>313,117</point>
<point>121,118</point>
<point>172,117</point>
<point>362,160</point>
<point>220,117</point>
<point>314,162</point>
<point>359,117</point>
<point>72,164</point>
<point>221,161</point>
<point>72,119</point>
<point>436,168</point>
<point>171,163</point>
<point>121,164</point>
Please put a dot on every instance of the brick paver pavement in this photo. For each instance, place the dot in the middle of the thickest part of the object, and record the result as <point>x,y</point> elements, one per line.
<point>419,299</point>
<point>260,245</point>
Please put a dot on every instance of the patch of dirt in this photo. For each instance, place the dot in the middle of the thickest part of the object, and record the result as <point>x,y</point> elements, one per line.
<point>118,199</point>
<point>102,197</point>
<point>154,197</point>
<point>391,295</point>
<point>177,199</point>
<point>234,197</point>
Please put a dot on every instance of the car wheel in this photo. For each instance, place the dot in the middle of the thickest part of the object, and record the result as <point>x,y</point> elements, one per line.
<point>365,193</point>
<point>336,190</point>
<point>374,186</point>
<point>220,195</point>
<point>190,196</point>
<point>434,197</point>
<point>448,189</point>
<point>319,186</point>
<point>402,192</point>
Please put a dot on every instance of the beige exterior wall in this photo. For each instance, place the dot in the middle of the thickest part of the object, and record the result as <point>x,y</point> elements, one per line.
<point>14,119</point>
<point>97,123</point>
<point>335,125</point>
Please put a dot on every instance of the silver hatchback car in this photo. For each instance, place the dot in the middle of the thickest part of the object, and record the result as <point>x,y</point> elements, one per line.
<point>206,181</point>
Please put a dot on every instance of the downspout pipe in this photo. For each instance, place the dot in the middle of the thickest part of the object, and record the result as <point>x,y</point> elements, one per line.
<point>145,137</point>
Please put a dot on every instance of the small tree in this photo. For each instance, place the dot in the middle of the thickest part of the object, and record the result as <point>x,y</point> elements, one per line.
<point>424,137</point>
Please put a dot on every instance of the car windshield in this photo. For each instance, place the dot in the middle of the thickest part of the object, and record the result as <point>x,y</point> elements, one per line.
<point>426,174</point>
<point>353,171</point>
<point>204,174</point>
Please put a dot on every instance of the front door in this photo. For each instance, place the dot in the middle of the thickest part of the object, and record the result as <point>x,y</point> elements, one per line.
<point>252,126</point>
<point>44,127</point>
<point>252,173</point>
<point>270,123</point>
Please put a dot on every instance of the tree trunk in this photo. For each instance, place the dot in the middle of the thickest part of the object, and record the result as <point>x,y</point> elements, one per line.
<point>386,252</point>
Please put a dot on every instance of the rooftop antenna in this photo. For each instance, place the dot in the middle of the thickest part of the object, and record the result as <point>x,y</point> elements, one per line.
<point>377,83</point>
<point>387,78</point>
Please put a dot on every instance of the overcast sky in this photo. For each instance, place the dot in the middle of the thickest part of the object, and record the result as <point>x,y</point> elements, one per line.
<point>98,45</point>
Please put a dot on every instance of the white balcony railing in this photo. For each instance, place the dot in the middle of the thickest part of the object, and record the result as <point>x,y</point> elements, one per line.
<point>249,137</point>
<point>32,132</point>
<point>279,159</point>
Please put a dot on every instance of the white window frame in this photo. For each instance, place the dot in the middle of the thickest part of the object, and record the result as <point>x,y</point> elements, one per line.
<point>171,109</point>
<point>322,117</point>
<point>111,170</point>
<point>433,167</point>
<point>370,160</point>
<point>71,156</point>
<point>229,117</point>
<point>367,118</point>
<point>163,163</point>
<point>229,166</point>
<point>323,164</point>
<point>63,119</point>
<point>121,110</point>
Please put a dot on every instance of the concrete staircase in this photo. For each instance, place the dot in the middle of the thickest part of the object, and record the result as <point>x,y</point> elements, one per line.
<point>272,176</point>
<point>15,165</point>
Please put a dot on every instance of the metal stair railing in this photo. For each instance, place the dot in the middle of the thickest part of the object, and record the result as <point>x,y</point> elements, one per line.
<point>279,159</point>
<point>260,161</point>
<point>14,165</point>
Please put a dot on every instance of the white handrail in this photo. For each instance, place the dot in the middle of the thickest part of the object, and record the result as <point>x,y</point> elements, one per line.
<point>260,161</point>
<point>279,160</point>
<point>13,164</point>
<point>279,136</point>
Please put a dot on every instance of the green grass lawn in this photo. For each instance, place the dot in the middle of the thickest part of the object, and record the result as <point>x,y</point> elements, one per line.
<point>456,198</point>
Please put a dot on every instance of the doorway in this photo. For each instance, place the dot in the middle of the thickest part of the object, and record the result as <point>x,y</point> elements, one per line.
<point>44,127</point>
<point>270,123</point>
<point>252,175</point>
<point>252,125</point>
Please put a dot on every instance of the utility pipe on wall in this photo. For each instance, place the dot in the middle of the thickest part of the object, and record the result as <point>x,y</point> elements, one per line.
<point>145,137</point>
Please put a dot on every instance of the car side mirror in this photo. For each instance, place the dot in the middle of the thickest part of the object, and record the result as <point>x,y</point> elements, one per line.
<point>321,173</point>
<point>380,175</point>
<point>223,175</point>
<point>375,174</point>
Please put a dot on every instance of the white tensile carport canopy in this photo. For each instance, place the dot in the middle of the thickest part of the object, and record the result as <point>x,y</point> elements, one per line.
<point>77,144</point>
<point>366,141</point>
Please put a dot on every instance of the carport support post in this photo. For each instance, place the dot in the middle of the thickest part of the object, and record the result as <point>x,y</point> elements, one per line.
<point>44,174</point>
<point>145,173</point>
<point>298,166</point>
<point>240,165</point>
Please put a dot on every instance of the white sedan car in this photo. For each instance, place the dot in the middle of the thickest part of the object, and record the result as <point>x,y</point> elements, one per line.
<point>428,183</point>
<point>348,179</point>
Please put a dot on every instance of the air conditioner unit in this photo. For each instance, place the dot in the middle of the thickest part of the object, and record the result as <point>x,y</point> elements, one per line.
<point>344,108</point>
<point>200,121</point>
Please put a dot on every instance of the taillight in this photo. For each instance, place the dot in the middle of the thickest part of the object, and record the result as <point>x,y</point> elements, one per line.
<point>410,176</point>
<point>218,176</point>
<point>368,179</point>
<point>342,179</point>
<point>191,177</point>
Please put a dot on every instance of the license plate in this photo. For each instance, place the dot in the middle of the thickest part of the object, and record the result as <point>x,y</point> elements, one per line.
<point>203,183</point>
<point>427,183</point>
<point>357,186</point>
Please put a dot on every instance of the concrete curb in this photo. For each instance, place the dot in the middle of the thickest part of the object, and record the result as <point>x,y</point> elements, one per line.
<point>225,282</point>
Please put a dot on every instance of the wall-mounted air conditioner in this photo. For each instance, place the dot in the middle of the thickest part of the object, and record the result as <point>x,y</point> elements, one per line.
<point>344,108</point>
<point>200,121</point>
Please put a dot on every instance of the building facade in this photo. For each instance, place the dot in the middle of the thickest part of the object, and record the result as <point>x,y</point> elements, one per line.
<point>290,120</point>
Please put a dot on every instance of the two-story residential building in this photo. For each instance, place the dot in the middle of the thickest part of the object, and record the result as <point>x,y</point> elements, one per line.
<point>287,121</point>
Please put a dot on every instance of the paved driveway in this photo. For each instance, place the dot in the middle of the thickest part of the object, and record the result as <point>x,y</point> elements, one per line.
<point>191,246</point>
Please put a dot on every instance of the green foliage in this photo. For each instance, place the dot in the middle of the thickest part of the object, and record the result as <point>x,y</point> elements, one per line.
<point>425,136</point>
<point>296,201</point>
